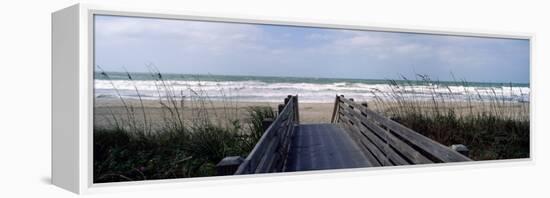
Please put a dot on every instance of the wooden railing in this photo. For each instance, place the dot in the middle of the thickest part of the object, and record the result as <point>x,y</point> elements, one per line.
<point>386,142</point>
<point>269,154</point>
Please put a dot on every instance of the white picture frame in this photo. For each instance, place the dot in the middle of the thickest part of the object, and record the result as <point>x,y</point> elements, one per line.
<point>72,94</point>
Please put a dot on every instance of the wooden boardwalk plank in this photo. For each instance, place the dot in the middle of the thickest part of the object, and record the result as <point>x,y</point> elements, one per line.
<point>429,147</point>
<point>358,137</point>
<point>321,147</point>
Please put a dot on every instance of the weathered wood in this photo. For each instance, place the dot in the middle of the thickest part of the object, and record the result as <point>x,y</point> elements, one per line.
<point>266,123</point>
<point>378,141</point>
<point>287,136</point>
<point>297,109</point>
<point>367,145</point>
<point>322,147</point>
<point>431,149</point>
<point>269,154</point>
<point>228,165</point>
<point>404,149</point>
<point>370,157</point>
<point>335,110</point>
<point>435,149</point>
<point>386,138</point>
<point>462,149</point>
<point>268,157</point>
<point>382,144</point>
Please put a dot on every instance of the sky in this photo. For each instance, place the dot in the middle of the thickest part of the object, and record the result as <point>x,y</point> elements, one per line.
<point>198,47</point>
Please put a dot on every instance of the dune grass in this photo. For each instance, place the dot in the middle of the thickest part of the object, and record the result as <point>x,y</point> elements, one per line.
<point>131,149</point>
<point>493,126</point>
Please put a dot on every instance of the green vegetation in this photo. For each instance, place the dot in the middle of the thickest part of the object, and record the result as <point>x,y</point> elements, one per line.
<point>132,149</point>
<point>492,127</point>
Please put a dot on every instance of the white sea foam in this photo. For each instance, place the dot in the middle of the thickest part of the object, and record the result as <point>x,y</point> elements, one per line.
<point>308,92</point>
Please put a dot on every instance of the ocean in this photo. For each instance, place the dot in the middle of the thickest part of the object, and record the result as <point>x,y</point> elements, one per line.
<point>315,90</point>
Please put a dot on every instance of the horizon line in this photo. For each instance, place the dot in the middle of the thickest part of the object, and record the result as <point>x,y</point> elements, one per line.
<point>335,78</point>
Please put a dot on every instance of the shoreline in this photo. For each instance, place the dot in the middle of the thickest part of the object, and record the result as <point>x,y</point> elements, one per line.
<point>310,112</point>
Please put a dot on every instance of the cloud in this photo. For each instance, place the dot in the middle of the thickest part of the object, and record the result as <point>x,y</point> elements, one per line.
<point>193,35</point>
<point>248,49</point>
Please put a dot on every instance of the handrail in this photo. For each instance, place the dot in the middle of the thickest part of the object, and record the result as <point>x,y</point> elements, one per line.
<point>334,119</point>
<point>269,154</point>
<point>389,142</point>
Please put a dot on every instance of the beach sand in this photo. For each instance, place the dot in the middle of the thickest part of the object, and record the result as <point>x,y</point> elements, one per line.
<point>104,109</point>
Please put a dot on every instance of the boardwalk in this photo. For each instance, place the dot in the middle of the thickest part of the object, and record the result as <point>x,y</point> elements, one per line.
<point>323,146</point>
<point>356,137</point>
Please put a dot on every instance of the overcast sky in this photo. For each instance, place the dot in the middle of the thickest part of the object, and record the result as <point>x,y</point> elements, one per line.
<point>192,47</point>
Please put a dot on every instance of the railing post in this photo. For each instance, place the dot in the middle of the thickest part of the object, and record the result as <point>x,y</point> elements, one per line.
<point>364,104</point>
<point>229,165</point>
<point>462,149</point>
<point>297,109</point>
<point>266,123</point>
<point>336,109</point>
<point>287,99</point>
<point>280,107</point>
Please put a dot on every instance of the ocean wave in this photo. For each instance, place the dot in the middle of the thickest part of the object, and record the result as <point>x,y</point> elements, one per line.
<point>253,90</point>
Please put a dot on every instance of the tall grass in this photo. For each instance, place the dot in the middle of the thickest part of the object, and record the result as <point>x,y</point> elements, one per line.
<point>491,124</point>
<point>131,148</point>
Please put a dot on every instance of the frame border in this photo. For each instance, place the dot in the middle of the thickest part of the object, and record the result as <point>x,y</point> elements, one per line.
<point>85,99</point>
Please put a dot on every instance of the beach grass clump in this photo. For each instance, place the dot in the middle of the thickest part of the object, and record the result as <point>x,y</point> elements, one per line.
<point>487,136</point>
<point>492,125</point>
<point>258,114</point>
<point>131,149</point>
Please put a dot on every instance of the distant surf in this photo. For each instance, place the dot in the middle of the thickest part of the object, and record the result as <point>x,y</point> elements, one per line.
<point>314,90</point>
